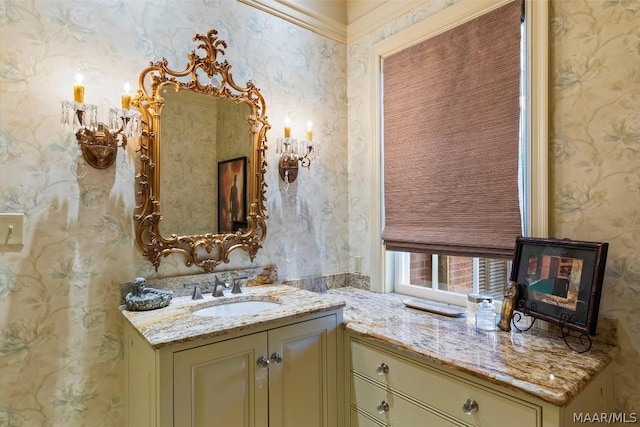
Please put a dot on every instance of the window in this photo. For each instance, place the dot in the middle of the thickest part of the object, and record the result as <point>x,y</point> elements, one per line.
<point>448,277</point>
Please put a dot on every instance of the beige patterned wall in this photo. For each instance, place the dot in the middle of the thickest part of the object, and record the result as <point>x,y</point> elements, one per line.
<point>60,333</point>
<point>595,159</point>
<point>60,330</point>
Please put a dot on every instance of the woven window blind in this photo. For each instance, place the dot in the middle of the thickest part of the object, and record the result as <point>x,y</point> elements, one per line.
<point>451,140</point>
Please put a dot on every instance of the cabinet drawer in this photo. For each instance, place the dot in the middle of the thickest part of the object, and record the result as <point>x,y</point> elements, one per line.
<point>441,391</point>
<point>400,412</point>
<point>360,420</point>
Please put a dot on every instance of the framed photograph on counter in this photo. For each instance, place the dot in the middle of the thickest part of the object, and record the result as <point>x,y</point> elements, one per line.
<point>560,281</point>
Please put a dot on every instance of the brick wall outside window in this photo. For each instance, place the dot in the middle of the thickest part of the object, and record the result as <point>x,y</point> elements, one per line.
<point>460,274</point>
<point>420,269</point>
<point>455,273</point>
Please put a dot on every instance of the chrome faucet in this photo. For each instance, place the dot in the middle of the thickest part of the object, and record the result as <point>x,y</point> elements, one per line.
<point>218,292</point>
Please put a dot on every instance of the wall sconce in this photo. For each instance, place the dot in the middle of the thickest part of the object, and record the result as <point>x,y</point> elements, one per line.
<point>98,141</point>
<point>290,152</point>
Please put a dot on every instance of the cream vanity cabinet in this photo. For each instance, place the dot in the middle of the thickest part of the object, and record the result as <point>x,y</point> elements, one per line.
<point>389,389</point>
<point>285,376</point>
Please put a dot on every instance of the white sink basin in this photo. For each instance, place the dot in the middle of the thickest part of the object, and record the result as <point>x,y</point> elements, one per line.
<point>238,308</point>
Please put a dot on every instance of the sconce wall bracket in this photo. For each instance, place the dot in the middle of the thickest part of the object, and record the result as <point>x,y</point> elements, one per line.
<point>288,168</point>
<point>99,147</point>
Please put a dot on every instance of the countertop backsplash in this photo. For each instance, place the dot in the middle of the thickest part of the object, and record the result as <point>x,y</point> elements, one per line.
<point>333,281</point>
<point>256,276</point>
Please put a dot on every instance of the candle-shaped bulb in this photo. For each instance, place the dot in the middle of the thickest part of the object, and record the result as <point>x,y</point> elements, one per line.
<point>309,132</point>
<point>126,98</point>
<point>78,89</point>
<point>287,129</point>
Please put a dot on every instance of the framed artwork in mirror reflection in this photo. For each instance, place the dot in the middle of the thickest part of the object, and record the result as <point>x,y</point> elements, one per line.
<point>232,195</point>
<point>560,281</point>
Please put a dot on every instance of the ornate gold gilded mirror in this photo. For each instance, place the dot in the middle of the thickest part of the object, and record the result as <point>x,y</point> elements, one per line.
<point>201,188</point>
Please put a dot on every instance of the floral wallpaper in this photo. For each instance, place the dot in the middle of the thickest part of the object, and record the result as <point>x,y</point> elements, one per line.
<point>61,352</point>
<point>60,330</point>
<point>595,150</point>
<point>595,158</point>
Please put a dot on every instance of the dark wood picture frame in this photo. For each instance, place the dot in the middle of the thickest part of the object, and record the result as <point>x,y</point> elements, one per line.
<point>560,281</point>
<point>232,195</point>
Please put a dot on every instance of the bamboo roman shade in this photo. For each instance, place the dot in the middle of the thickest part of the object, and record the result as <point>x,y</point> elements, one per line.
<point>451,140</point>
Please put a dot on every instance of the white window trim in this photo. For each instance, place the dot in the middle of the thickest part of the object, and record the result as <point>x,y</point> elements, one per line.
<point>537,12</point>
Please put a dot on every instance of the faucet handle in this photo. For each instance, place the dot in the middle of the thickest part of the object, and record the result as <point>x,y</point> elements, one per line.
<point>236,285</point>
<point>197,293</point>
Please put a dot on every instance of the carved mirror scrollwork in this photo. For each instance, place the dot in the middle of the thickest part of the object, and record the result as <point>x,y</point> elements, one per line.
<point>199,148</point>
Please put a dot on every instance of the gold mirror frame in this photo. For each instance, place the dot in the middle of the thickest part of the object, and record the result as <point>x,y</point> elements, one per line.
<point>204,250</point>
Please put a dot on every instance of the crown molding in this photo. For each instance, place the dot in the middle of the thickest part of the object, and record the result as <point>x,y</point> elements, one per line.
<point>335,30</point>
<point>302,17</point>
<point>380,16</point>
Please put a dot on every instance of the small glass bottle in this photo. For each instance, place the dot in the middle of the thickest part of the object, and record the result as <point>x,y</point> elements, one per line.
<point>486,316</point>
<point>473,300</point>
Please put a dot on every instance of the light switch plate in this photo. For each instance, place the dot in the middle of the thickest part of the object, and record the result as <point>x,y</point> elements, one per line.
<point>11,232</point>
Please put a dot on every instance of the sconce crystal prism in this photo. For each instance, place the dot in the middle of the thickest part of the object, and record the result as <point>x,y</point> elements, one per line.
<point>99,141</point>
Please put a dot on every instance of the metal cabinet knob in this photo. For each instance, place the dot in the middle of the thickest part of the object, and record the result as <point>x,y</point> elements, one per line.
<point>382,369</point>
<point>383,407</point>
<point>470,407</point>
<point>263,362</point>
<point>276,358</point>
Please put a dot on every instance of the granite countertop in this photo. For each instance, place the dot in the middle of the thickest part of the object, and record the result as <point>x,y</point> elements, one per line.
<point>176,323</point>
<point>534,362</point>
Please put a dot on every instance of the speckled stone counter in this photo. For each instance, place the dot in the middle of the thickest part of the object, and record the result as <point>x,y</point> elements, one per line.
<point>535,362</point>
<point>176,323</point>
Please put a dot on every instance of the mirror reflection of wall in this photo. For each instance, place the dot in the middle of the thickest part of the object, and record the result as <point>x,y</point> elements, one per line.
<point>198,132</point>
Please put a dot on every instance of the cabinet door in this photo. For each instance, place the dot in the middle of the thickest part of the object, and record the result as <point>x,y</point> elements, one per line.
<point>142,384</point>
<point>303,374</point>
<point>221,385</point>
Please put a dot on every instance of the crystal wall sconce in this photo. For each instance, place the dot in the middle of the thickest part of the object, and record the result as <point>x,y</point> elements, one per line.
<point>99,141</point>
<point>292,152</point>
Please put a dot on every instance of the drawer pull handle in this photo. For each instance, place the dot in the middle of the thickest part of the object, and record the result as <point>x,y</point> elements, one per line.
<point>263,362</point>
<point>276,358</point>
<point>383,407</point>
<point>382,369</point>
<point>470,407</point>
